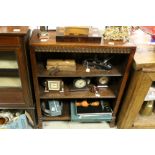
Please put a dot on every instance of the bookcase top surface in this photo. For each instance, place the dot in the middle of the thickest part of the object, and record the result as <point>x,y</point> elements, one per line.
<point>35,41</point>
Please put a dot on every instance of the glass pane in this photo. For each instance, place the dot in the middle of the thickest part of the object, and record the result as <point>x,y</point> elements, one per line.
<point>8,60</point>
<point>151,93</point>
<point>9,75</point>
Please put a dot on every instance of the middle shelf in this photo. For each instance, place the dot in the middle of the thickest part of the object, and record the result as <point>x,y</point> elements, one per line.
<point>104,93</point>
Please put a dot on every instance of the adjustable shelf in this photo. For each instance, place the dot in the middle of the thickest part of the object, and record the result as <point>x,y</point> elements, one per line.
<point>81,72</point>
<point>104,93</point>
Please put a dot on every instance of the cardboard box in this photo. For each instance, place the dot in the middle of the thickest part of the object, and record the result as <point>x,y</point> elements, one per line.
<point>19,122</point>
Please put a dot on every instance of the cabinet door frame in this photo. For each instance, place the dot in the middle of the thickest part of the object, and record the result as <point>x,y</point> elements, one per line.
<point>23,75</point>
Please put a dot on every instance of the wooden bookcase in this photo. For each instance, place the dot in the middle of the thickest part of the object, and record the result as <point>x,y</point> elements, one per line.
<point>41,51</point>
<point>15,84</point>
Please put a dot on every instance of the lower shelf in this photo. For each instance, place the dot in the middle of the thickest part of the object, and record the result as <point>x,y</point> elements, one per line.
<point>145,121</point>
<point>64,117</point>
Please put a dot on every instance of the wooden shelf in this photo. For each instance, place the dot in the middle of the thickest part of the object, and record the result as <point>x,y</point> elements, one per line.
<point>104,93</point>
<point>144,121</point>
<point>8,69</point>
<point>64,117</point>
<point>81,72</point>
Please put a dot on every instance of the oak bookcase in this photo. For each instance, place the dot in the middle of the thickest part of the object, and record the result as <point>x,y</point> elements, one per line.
<point>122,56</point>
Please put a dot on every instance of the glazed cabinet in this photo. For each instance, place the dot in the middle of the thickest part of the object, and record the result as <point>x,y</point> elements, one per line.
<point>15,83</point>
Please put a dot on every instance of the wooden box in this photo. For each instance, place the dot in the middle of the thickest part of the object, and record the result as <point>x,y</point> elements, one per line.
<point>78,34</point>
<point>62,65</point>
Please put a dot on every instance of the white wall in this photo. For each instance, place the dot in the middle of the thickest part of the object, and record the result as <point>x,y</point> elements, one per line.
<point>96,13</point>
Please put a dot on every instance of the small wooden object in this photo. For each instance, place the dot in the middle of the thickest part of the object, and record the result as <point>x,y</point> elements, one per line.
<point>78,34</point>
<point>62,65</point>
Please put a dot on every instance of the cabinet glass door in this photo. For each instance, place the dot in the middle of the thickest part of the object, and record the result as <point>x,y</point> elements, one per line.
<point>9,73</point>
<point>151,93</point>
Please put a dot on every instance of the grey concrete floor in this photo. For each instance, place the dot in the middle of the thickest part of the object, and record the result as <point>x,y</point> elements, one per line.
<point>74,125</point>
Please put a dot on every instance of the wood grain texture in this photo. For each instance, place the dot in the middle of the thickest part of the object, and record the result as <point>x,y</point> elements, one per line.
<point>140,82</point>
<point>138,88</point>
<point>104,93</point>
<point>12,96</point>
<point>9,41</point>
<point>144,60</point>
<point>36,87</point>
<point>144,121</point>
<point>12,30</point>
<point>152,75</point>
<point>123,83</point>
<point>61,50</point>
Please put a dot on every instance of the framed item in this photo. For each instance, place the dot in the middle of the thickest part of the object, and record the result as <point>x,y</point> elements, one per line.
<point>53,85</point>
